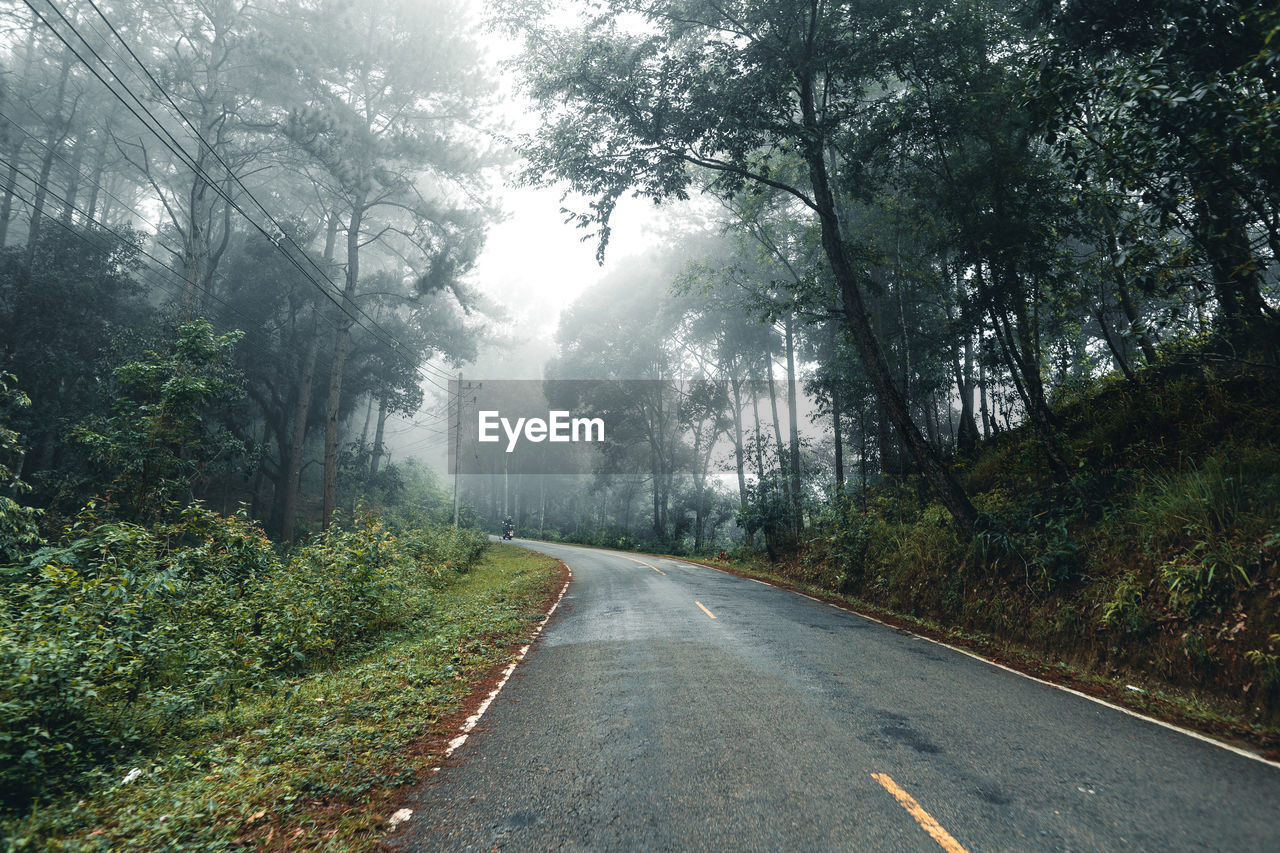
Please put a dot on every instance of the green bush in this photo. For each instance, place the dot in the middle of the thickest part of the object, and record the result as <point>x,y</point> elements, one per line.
<point>120,634</point>
<point>1201,523</point>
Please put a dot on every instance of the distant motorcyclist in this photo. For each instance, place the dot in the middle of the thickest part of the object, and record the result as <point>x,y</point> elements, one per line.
<point>508,529</point>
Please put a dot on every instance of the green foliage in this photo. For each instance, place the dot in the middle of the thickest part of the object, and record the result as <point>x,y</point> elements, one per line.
<point>161,436</point>
<point>1124,609</point>
<point>282,761</point>
<point>19,530</point>
<point>119,633</point>
<point>767,508</point>
<point>57,318</point>
<point>1201,523</point>
<point>1160,556</point>
<point>1267,661</point>
<point>11,400</point>
<point>890,546</point>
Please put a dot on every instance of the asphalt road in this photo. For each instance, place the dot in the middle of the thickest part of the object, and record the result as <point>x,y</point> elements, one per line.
<point>639,722</point>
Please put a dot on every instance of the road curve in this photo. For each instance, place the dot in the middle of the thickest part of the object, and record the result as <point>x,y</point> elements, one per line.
<point>671,706</point>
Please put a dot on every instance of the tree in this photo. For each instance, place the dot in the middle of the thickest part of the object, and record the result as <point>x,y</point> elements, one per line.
<point>729,89</point>
<point>1173,102</point>
<point>57,317</point>
<point>390,96</point>
<point>164,434</point>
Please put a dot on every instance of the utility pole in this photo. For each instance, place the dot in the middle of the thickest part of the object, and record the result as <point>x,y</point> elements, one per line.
<point>457,451</point>
<point>457,442</point>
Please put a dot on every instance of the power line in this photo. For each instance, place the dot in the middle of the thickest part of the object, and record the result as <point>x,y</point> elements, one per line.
<point>175,147</point>
<point>162,268</point>
<point>152,271</point>
<point>212,150</point>
<point>394,343</point>
<point>37,185</point>
<point>85,216</point>
<point>434,433</point>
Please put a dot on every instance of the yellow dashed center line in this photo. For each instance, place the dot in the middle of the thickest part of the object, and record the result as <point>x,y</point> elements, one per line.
<point>643,563</point>
<point>926,821</point>
<point>705,610</point>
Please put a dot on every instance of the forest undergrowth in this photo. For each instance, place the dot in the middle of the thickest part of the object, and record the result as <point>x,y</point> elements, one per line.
<point>280,710</point>
<point>1157,563</point>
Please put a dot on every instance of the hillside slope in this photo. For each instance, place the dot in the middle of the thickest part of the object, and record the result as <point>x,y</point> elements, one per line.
<point>1158,561</point>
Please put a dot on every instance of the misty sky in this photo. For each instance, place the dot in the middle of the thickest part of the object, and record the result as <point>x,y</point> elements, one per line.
<point>534,265</point>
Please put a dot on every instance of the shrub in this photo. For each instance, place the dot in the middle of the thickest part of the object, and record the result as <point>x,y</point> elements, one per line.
<point>1200,523</point>
<point>115,637</point>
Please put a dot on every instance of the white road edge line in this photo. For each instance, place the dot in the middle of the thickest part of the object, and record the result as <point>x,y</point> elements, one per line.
<point>1170,726</point>
<point>465,731</point>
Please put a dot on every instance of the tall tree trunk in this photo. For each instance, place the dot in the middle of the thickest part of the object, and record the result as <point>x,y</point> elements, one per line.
<point>1235,270</point>
<point>887,445</point>
<point>699,482</point>
<point>57,133</point>
<point>839,439</point>
<point>777,422</point>
<point>797,511</point>
<point>966,435</point>
<point>1136,327</point>
<point>928,413</point>
<point>755,409</point>
<point>926,458</point>
<point>298,439</point>
<point>770,533</point>
<point>341,348</point>
<point>196,247</point>
<point>777,439</point>
<point>105,210</point>
<point>982,401</point>
<point>862,453</point>
<point>364,430</point>
<point>37,204</point>
<point>95,179</point>
<point>376,454</point>
<point>293,465</point>
<point>1117,350</point>
<point>215,253</point>
<point>967,430</point>
<point>659,528</point>
<point>6,204</point>
<point>73,183</point>
<point>735,387</point>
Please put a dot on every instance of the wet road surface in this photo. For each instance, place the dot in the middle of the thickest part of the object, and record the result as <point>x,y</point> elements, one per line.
<point>669,706</point>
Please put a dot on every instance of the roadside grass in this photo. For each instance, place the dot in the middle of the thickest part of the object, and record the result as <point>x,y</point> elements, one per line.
<point>315,765</point>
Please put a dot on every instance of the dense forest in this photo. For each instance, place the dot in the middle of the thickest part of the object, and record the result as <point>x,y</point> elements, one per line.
<point>970,311</point>
<point>1021,256</point>
<point>952,214</point>
<point>234,240</point>
<point>307,178</point>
